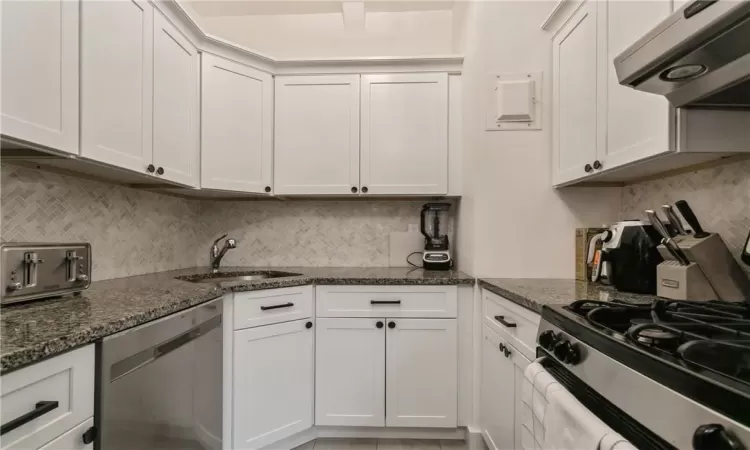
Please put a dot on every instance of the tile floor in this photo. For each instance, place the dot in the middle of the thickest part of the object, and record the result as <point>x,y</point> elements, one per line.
<point>383,444</point>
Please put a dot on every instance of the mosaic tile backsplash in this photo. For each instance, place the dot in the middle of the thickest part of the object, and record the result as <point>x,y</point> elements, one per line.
<point>134,232</point>
<point>308,233</point>
<point>719,196</point>
<point>131,231</point>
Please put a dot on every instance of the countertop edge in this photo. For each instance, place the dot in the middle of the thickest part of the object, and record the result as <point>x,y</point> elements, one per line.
<point>526,302</point>
<point>56,346</point>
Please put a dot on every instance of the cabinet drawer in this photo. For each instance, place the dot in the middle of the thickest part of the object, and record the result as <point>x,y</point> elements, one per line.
<point>511,321</point>
<point>253,309</point>
<point>73,439</point>
<point>387,301</point>
<point>63,386</point>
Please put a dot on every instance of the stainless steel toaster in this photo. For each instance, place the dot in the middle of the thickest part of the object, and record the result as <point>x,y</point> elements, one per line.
<point>30,271</point>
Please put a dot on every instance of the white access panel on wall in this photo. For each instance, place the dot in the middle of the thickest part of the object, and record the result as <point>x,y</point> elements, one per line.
<point>513,101</point>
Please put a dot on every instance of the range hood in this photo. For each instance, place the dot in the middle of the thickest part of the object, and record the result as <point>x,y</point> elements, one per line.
<point>698,57</point>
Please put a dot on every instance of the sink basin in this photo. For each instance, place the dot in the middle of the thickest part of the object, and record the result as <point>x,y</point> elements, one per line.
<point>221,278</point>
<point>260,276</point>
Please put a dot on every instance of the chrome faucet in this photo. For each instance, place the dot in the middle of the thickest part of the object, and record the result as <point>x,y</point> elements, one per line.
<point>216,255</point>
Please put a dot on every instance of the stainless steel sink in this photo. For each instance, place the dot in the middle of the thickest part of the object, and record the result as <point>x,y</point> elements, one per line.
<point>260,276</point>
<point>221,278</point>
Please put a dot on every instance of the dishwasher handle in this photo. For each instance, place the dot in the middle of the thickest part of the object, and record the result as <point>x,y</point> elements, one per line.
<point>151,354</point>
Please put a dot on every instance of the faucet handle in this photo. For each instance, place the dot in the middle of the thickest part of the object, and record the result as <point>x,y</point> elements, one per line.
<point>231,243</point>
<point>220,238</point>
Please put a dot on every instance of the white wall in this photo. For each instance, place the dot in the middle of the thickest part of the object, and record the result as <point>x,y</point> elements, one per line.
<point>512,222</point>
<point>324,35</point>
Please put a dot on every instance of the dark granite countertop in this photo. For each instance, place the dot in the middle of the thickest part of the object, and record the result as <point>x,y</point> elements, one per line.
<point>37,330</point>
<point>534,293</point>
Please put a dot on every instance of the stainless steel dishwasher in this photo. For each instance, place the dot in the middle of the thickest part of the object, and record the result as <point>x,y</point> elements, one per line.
<point>160,384</point>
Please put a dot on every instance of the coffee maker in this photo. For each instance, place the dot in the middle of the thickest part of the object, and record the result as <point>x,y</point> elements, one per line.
<point>434,224</point>
<point>629,257</point>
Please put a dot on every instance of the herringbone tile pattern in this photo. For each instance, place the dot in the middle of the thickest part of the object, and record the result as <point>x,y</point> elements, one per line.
<point>131,231</point>
<point>308,233</point>
<point>134,231</point>
<point>720,197</point>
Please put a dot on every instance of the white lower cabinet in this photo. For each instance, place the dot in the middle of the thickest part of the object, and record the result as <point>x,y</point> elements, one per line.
<point>46,402</point>
<point>272,383</point>
<point>421,373</point>
<point>350,372</point>
<point>386,372</point>
<point>501,392</point>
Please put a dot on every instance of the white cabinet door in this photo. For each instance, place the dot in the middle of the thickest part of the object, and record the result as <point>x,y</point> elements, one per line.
<point>176,134</point>
<point>117,83</point>
<point>350,372</point>
<point>497,395</point>
<point>73,439</point>
<point>404,134</point>
<point>316,145</point>
<point>421,373</point>
<point>272,383</point>
<point>636,125</point>
<point>40,72</point>
<point>574,90</point>
<point>237,126</point>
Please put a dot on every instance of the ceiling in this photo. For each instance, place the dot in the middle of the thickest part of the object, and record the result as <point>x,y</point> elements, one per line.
<point>230,8</point>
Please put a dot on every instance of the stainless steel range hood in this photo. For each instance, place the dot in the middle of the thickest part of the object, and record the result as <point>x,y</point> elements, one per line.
<point>698,57</point>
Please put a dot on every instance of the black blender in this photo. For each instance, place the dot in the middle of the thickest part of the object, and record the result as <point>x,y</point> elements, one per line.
<point>434,221</point>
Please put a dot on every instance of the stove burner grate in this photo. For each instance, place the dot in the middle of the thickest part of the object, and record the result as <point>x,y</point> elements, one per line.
<point>712,335</point>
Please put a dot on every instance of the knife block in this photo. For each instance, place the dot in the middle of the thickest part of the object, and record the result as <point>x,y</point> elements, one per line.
<point>718,265</point>
<point>679,282</point>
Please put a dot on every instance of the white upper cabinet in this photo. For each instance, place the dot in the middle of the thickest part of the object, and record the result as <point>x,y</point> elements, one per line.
<point>574,68</point>
<point>404,142</point>
<point>273,383</point>
<point>350,372</point>
<point>176,134</point>
<point>116,83</point>
<point>40,72</point>
<point>237,126</point>
<point>636,125</point>
<point>606,132</point>
<point>421,373</point>
<point>316,146</point>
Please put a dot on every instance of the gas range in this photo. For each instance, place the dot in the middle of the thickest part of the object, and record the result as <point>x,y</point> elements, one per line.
<point>676,373</point>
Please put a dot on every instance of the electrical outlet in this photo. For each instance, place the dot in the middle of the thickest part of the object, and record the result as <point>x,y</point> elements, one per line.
<point>413,228</point>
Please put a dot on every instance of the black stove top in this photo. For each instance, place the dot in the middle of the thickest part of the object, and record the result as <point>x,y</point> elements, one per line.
<point>701,349</point>
<point>714,336</point>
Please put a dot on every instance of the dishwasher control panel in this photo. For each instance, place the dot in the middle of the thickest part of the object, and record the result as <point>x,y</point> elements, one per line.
<point>31,271</point>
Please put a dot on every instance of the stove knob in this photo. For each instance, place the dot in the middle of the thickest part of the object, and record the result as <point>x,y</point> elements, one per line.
<point>574,354</point>
<point>567,352</point>
<point>548,339</point>
<point>715,437</point>
<point>561,350</point>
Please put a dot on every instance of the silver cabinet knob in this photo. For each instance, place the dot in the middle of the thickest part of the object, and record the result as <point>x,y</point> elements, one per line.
<point>15,286</point>
<point>82,277</point>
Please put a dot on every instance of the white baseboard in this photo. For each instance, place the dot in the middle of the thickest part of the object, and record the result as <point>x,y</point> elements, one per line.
<point>313,433</point>
<point>391,433</point>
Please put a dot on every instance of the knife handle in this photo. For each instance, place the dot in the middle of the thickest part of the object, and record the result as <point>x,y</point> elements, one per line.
<point>673,219</point>
<point>690,218</point>
<point>658,224</point>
